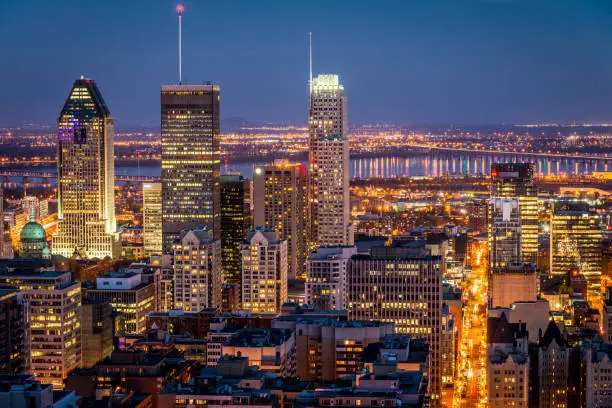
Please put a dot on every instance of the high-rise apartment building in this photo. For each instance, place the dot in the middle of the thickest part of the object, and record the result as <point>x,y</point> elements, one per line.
<point>86,176</point>
<point>236,222</point>
<point>198,276</point>
<point>280,195</point>
<point>152,219</point>
<point>326,277</point>
<point>191,159</point>
<point>517,181</point>
<point>329,163</point>
<point>576,241</point>
<point>54,322</point>
<point>13,342</point>
<point>394,285</point>
<point>264,271</point>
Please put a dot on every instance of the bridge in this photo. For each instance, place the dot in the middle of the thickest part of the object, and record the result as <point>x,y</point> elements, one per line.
<point>503,152</point>
<point>26,176</point>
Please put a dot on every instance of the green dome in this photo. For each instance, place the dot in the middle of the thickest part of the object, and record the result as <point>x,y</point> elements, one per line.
<point>33,231</point>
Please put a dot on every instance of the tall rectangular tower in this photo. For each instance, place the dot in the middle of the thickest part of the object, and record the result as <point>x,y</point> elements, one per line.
<point>152,218</point>
<point>191,134</point>
<point>329,162</point>
<point>86,176</point>
<point>281,204</point>
<point>236,222</point>
<point>517,181</point>
<point>576,241</point>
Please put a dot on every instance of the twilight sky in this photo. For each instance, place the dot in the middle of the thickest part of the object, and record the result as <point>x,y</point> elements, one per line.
<point>401,61</point>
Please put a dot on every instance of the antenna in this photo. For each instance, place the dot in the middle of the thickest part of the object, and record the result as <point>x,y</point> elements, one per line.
<point>179,10</point>
<point>310,59</point>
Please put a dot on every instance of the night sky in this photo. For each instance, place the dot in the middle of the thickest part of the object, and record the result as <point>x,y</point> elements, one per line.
<point>404,62</point>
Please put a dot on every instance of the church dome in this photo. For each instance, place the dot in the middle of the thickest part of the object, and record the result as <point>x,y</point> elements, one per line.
<point>33,231</point>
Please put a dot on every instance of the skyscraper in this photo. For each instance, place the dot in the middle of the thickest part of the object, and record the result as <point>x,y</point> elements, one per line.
<point>190,134</point>
<point>326,277</point>
<point>236,222</point>
<point>329,162</point>
<point>152,218</point>
<point>280,193</point>
<point>576,241</point>
<point>505,239</point>
<point>86,176</point>
<point>264,271</point>
<point>517,181</point>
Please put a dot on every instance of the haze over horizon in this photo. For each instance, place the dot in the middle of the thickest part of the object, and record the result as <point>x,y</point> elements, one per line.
<point>468,62</point>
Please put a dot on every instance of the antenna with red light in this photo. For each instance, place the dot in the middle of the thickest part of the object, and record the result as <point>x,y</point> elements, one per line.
<point>179,10</point>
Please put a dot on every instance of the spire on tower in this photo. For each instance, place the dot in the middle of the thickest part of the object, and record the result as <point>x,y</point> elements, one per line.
<point>310,59</point>
<point>179,10</point>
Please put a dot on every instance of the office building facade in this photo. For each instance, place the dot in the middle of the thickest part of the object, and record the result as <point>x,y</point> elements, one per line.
<point>576,241</point>
<point>280,195</point>
<point>54,322</point>
<point>517,181</point>
<point>391,285</point>
<point>329,163</point>
<point>326,277</point>
<point>86,176</point>
<point>152,219</point>
<point>190,138</point>
<point>236,222</point>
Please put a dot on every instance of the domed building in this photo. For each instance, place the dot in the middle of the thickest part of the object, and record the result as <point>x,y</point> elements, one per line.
<point>33,240</point>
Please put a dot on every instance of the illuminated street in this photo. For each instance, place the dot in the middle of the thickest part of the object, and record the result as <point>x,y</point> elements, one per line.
<point>471,381</point>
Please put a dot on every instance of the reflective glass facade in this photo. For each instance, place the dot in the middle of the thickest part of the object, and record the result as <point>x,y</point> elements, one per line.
<point>190,131</point>
<point>86,176</point>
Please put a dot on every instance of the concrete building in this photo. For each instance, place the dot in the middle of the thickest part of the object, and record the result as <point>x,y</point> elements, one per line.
<point>280,202</point>
<point>96,331</point>
<point>606,320</point>
<point>598,368</point>
<point>326,277</point>
<point>128,294</point>
<point>329,162</point>
<point>23,391</point>
<point>269,349</point>
<point>152,219</point>
<point>395,285</point>
<point>553,369</point>
<point>86,176</point>
<point>512,283</point>
<point>13,342</point>
<point>198,276</point>
<point>517,181</point>
<point>191,160</point>
<point>508,364</point>
<point>329,349</point>
<point>264,271</point>
<point>54,316</point>
<point>576,241</point>
<point>236,222</point>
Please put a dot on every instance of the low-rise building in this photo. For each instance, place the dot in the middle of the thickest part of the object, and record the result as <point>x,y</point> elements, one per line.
<point>269,349</point>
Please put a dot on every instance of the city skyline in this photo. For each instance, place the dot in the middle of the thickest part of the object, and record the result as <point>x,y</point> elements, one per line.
<point>476,62</point>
